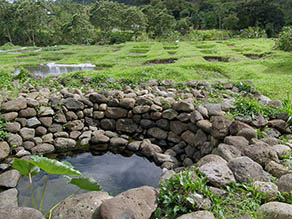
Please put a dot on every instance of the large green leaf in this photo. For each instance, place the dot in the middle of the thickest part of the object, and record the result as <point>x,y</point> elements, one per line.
<point>25,167</point>
<point>52,166</point>
<point>85,183</point>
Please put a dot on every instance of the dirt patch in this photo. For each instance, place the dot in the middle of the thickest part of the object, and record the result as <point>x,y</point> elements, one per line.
<point>163,61</point>
<point>254,56</point>
<point>136,54</point>
<point>216,59</point>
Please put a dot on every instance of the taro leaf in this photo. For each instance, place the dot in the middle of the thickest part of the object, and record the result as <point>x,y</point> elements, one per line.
<point>52,166</point>
<point>25,168</point>
<point>84,183</point>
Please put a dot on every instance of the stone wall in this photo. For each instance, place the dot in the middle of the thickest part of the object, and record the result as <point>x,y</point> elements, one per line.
<point>175,127</point>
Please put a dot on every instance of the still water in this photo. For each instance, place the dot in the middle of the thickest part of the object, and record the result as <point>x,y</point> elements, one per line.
<point>114,172</point>
<point>53,69</point>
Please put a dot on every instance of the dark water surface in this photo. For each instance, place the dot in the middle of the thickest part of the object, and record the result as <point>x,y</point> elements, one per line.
<point>114,172</point>
<point>53,69</point>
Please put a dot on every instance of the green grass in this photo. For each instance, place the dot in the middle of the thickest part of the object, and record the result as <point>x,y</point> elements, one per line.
<point>271,73</point>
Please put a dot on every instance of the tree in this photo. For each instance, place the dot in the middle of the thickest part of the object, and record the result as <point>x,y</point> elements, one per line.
<point>7,20</point>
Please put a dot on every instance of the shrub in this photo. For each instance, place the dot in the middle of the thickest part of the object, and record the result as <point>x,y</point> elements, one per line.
<point>209,35</point>
<point>253,33</point>
<point>3,130</point>
<point>284,42</point>
<point>5,80</point>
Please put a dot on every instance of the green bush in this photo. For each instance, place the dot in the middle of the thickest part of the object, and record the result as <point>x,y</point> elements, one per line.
<point>253,33</point>
<point>209,35</point>
<point>3,130</point>
<point>284,42</point>
<point>5,80</point>
<point>245,106</point>
<point>7,46</point>
<point>120,37</point>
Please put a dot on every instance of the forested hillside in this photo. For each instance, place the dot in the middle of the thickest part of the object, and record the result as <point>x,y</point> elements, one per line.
<point>48,22</point>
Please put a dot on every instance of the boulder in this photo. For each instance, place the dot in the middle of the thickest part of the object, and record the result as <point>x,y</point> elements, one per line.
<point>13,127</point>
<point>210,158</point>
<point>217,173</point>
<point>157,133</point>
<point>64,144</point>
<point>8,198</point>
<point>214,109</point>
<point>198,215</point>
<point>27,133</point>
<point>46,111</point>
<point>116,112</point>
<point>280,125</point>
<point>14,105</point>
<point>99,138</point>
<point>134,203</point>
<point>169,114</point>
<point>97,98</point>
<point>4,150</point>
<point>43,149</point>
<point>183,106</point>
<point>269,189</point>
<point>79,206</point>
<point>27,113</point>
<point>246,170</point>
<point>9,179</point>
<point>237,141</point>
<point>205,125</point>
<point>10,116</point>
<point>75,125</point>
<point>118,142</point>
<point>275,210</point>
<point>236,126</point>
<point>15,140</point>
<point>285,183</point>
<point>72,104</point>
<point>281,149</point>
<point>227,152</point>
<point>126,125</point>
<point>128,103</point>
<point>148,149</point>
<point>178,127</point>
<point>220,126</point>
<point>20,213</point>
<point>276,169</point>
<point>248,133</point>
<point>46,121</point>
<point>261,153</point>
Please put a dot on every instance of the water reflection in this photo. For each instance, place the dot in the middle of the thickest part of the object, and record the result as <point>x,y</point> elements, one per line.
<point>114,172</point>
<point>53,69</point>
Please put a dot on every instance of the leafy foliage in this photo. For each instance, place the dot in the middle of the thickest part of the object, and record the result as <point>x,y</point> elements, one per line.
<point>245,106</point>
<point>25,168</point>
<point>178,194</point>
<point>84,183</point>
<point>284,42</point>
<point>3,130</point>
<point>253,33</point>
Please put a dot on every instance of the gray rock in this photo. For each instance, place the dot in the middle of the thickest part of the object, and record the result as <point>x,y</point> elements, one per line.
<point>214,110</point>
<point>163,123</point>
<point>64,144</point>
<point>275,210</point>
<point>157,133</point>
<point>10,116</point>
<point>15,140</point>
<point>169,114</point>
<point>161,158</point>
<point>27,133</point>
<point>20,213</point>
<point>141,109</point>
<point>261,153</point>
<point>27,113</point>
<point>40,131</point>
<point>276,169</point>
<point>14,105</point>
<point>116,112</point>
<point>178,127</point>
<point>72,104</point>
<point>9,178</point>
<point>237,141</point>
<point>108,124</point>
<point>4,150</point>
<point>118,142</point>
<point>8,198</point>
<point>148,149</point>
<point>86,134</point>
<point>217,173</point>
<point>210,158</point>
<point>198,215</point>
<point>97,98</point>
<point>220,126</point>
<point>236,126</point>
<point>246,170</point>
<point>248,133</point>
<point>203,111</point>
<point>285,183</point>
<point>43,149</point>
<point>80,206</point>
<point>228,152</point>
<point>126,125</point>
<point>46,121</point>
<point>99,138</point>
<point>13,127</point>
<point>60,118</point>
<point>70,115</point>
<point>134,146</point>
<point>281,149</point>
<point>189,137</point>
<point>280,125</point>
<point>267,188</point>
<point>46,111</point>
<point>134,203</point>
<point>33,122</point>
<point>183,106</point>
<point>127,103</point>
<point>205,125</point>
<point>196,116</point>
<point>55,127</point>
<point>75,125</point>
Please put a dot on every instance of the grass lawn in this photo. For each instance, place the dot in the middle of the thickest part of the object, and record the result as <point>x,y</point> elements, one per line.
<point>231,60</point>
